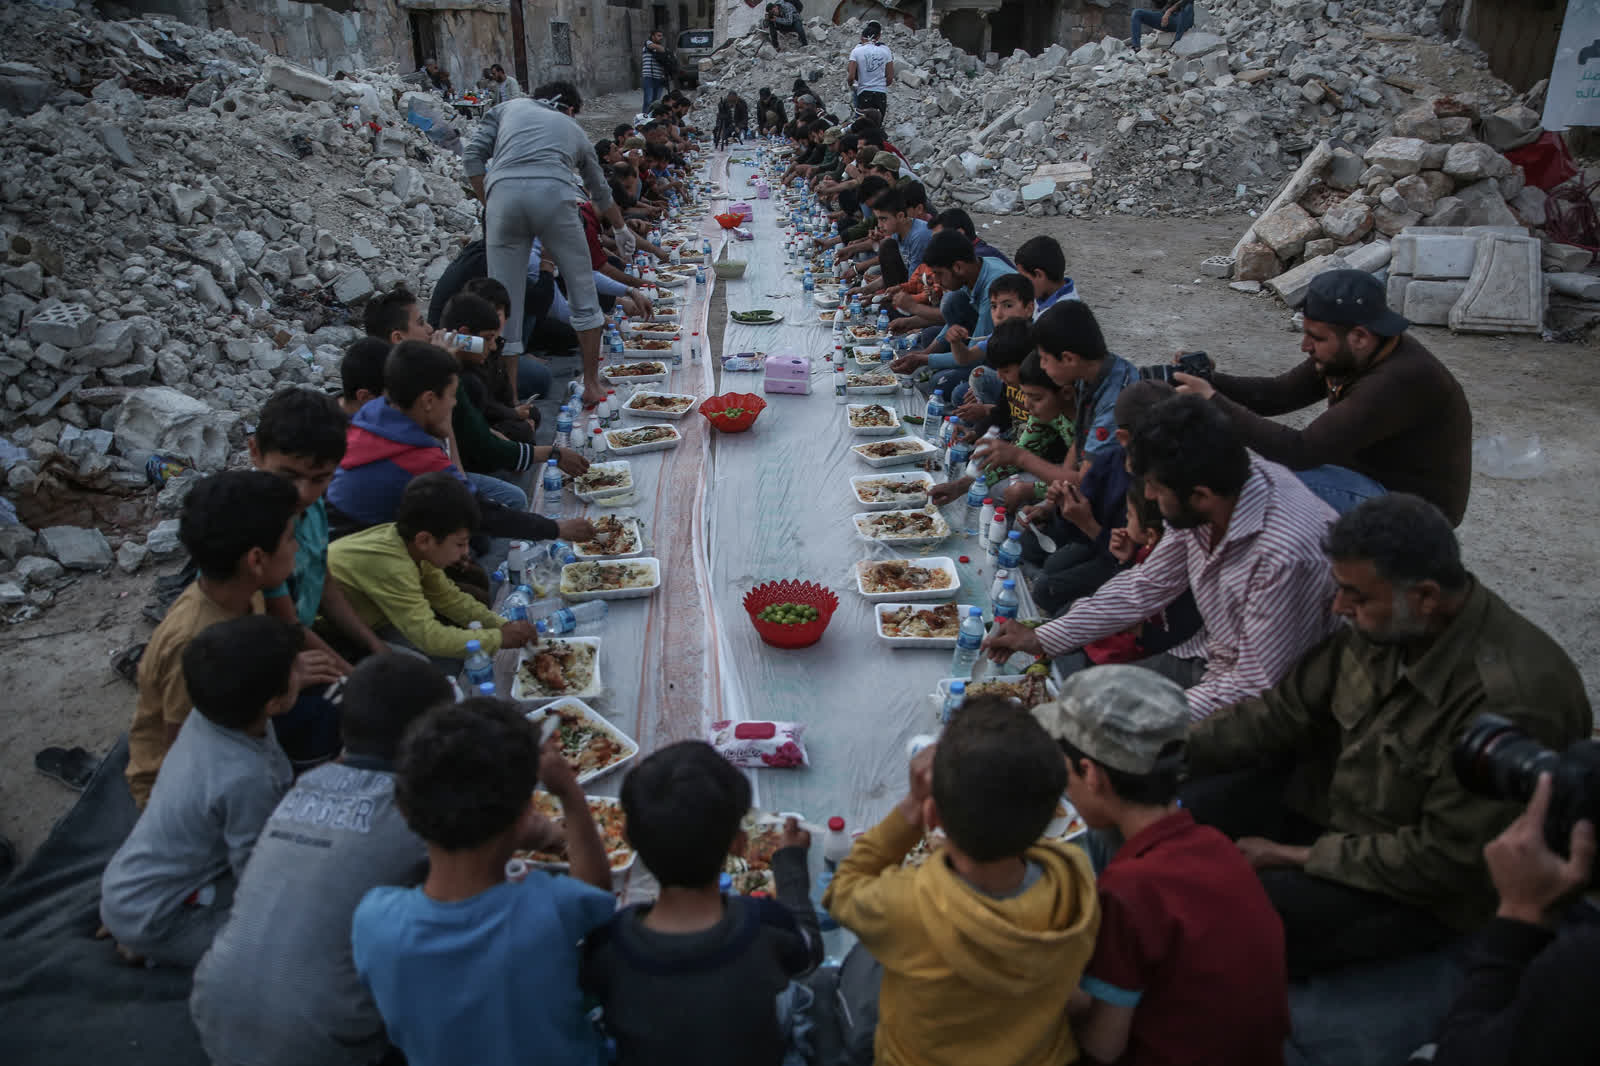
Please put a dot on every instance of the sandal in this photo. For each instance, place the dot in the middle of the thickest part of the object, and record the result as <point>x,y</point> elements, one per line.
<point>73,767</point>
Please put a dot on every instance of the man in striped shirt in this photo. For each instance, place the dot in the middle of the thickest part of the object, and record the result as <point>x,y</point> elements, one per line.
<point>653,69</point>
<point>1244,535</point>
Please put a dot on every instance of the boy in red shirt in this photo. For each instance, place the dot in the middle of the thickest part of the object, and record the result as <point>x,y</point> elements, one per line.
<point>1189,966</point>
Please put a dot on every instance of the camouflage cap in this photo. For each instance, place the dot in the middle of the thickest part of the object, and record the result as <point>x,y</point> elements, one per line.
<point>833,133</point>
<point>1121,716</point>
<point>886,161</point>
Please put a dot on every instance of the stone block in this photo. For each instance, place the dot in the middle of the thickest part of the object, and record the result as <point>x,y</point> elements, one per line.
<point>1344,170</point>
<point>1416,193</point>
<point>1439,257</point>
<point>1287,229</point>
<point>1456,128</point>
<point>1297,9</point>
<point>116,143</point>
<point>1320,246</point>
<point>1037,111</point>
<point>1086,55</point>
<point>165,420</point>
<point>1398,155</point>
<point>1578,286</point>
<point>1428,303</point>
<point>1197,43</point>
<point>64,325</point>
<point>1433,156</point>
<point>36,570</point>
<point>1419,122</point>
<point>1370,257</point>
<point>11,594</point>
<point>352,287</point>
<point>112,345</point>
<point>22,95</point>
<point>1291,285</point>
<point>1257,262</point>
<point>1472,161</point>
<point>1448,211</point>
<point>1563,257</point>
<point>364,248</point>
<point>1035,191</point>
<point>1528,206</point>
<point>131,555</point>
<point>409,186</point>
<point>297,81</point>
<point>250,246</point>
<point>1389,222</point>
<point>16,540</point>
<point>163,539</point>
<point>1217,266</point>
<point>1395,292</point>
<point>1347,222</point>
<point>1511,127</point>
<point>1506,292</point>
<point>1485,205</point>
<point>77,548</point>
<point>29,277</point>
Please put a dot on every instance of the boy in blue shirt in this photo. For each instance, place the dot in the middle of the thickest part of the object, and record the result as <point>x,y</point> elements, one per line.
<point>470,967</point>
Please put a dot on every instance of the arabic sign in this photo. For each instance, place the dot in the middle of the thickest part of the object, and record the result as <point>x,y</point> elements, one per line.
<point>1573,98</point>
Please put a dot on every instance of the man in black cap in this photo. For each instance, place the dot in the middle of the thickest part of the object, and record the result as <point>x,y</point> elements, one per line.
<point>871,71</point>
<point>785,18</point>
<point>1397,419</point>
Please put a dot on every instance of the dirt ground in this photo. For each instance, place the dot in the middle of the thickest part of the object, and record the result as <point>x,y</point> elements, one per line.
<point>1531,541</point>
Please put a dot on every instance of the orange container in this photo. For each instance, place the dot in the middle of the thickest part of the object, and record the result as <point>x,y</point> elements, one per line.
<point>714,409</point>
<point>782,636</point>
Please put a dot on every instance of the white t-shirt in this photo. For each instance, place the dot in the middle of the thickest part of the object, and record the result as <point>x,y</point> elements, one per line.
<point>871,61</point>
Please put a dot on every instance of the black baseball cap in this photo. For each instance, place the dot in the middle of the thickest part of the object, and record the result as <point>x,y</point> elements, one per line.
<point>1353,298</point>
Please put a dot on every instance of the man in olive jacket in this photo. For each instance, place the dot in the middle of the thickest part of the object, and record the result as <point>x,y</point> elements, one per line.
<point>1366,841</point>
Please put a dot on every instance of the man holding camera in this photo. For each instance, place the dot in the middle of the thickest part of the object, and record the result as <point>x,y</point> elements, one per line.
<point>1337,782</point>
<point>1397,419</point>
<point>1530,982</point>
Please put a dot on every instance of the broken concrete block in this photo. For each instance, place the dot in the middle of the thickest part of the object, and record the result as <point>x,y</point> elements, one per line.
<point>1420,122</point>
<point>1529,206</point>
<point>1448,211</point>
<point>1439,257</point>
<point>352,287</point>
<point>29,277</point>
<point>1485,206</point>
<point>1388,221</point>
<point>1197,43</point>
<point>1217,266</point>
<point>1473,161</point>
<point>77,548</point>
<point>131,556</point>
<point>165,420</point>
<point>1287,229</point>
<point>1511,127</point>
<point>1370,257</point>
<point>1291,286</point>
<point>1256,262</point>
<point>1578,286</point>
<point>23,96</point>
<point>1347,222</point>
<point>112,345</point>
<point>64,325</point>
<point>1035,191</point>
<point>163,539</point>
<point>1506,292</point>
<point>1398,155</point>
<point>1320,246</point>
<point>1344,170</point>
<point>1395,291</point>
<point>36,570</point>
<point>16,540</point>
<point>1428,303</point>
<point>297,81</point>
<point>1563,257</point>
<point>1416,193</point>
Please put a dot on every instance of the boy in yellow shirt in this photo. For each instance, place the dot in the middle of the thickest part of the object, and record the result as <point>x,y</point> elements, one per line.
<point>394,574</point>
<point>983,944</point>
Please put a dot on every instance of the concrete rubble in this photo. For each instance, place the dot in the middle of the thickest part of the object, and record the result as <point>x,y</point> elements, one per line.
<point>186,225</point>
<point>1209,125</point>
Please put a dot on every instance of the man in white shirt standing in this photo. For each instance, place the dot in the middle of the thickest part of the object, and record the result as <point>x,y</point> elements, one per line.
<point>872,71</point>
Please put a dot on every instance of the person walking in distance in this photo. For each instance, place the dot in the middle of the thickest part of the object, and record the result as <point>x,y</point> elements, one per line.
<point>653,72</point>
<point>871,71</point>
<point>531,189</point>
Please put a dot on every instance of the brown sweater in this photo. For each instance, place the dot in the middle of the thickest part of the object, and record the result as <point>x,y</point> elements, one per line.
<point>1404,423</point>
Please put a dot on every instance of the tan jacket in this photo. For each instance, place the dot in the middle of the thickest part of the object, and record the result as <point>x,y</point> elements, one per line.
<point>1373,740</point>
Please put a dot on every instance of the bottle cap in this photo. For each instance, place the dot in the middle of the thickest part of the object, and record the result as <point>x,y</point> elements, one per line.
<point>1013,535</point>
<point>974,612</point>
<point>987,500</point>
<point>542,627</point>
<point>1008,583</point>
<point>487,688</point>
<point>473,645</point>
<point>836,824</point>
<point>474,625</point>
<point>958,686</point>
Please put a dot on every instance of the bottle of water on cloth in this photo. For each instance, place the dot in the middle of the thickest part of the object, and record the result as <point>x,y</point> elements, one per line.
<point>968,643</point>
<point>564,427</point>
<point>552,489</point>
<point>565,620</point>
<point>479,667</point>
<point>933,416</point>
<point>975,497</point>
<point>515,606</point>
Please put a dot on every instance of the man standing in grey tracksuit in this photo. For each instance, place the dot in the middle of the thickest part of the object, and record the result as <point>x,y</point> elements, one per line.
<point>524,160</point>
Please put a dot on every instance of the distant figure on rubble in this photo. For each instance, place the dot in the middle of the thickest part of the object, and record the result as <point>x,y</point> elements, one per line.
<point>437,78</point>
<point>733,119</point>
<point>871,71</point>
<point>1177,16</point>
<point>784,16</point>
<point>505,86</point>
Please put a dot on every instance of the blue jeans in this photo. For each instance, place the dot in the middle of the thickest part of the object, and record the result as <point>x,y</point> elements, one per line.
<point>654,89</point>
<point>1340,487</point>
<point>533,377</point>
<point>1179,23</point>
<point>502,492</point>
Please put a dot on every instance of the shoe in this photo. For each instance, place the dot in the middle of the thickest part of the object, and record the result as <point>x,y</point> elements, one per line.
<point>73,767</point>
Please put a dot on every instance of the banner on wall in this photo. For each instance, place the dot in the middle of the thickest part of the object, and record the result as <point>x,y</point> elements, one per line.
<point>1573,98</point>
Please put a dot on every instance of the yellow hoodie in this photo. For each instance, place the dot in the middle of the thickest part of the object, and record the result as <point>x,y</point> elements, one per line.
<point>968,978</point>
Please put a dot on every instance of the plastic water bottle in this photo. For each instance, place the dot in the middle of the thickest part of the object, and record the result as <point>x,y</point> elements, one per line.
<point>705,246</point>
<point>567,619</point>
<point>677,354</point>
<point>1006,604</point>
<point>996,533</point>
<point>975,497</point>
<point>835,846</point>
<point>953,699</point>
<point>598,446</point>
<point>968,644</point>
<point>883,321</point>
<point>839,395</point>
<point>515,607</point>
<point>839,318</point>
<point>858,315</point>
<point>808,282</point>
<point>699,276</point>
<point>1001,576</point>
<point>886,353</point>
<point>552,490</point>
<point>486,690</point>
<point>479,667</point>
<point>933,416</point>
<point>694,347</point>
<point>564,427</point>
<point>956,463</point>
<point>1011,551</point>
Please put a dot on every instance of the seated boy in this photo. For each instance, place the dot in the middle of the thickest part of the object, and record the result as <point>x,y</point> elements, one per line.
<point>394,573</point>
<point>361,374</point>
<point>1073,352</point>
<point>1044,264</point>
<point>300,437</point>
<point>1010,300</point>
<point>694,976</point>
<point>1041,445</point>
<point>167,890</point>
<point>983,944</point>
<point>335,835</point>
<point>238,527</point>
<point>1189,965</point>
<point>469,967</point>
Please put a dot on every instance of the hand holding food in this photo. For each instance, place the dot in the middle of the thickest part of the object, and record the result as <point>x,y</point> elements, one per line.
<point>571,462</point>
<point>575,529</point>
<point>517,634</point>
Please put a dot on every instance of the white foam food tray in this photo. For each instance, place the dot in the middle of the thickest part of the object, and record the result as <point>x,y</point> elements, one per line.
<point>853,409</point>
<point>635,533</point>
<point>524,694</point>
<point>572,705</point>
<point>657,330</point>
<point>887,389</point>
<point>661,354</point>
<point>867,520</point>
<point>919,480</point>
<point>634,449</point>
<point>651,565</point>
<point>941,563</point>
<point>908,455</point>
<point>637,379</point>
<point>620,858</point>
<point>630,411</point>
<point>1050,687</point>
<point>880,610</point>
<point>590,495</point>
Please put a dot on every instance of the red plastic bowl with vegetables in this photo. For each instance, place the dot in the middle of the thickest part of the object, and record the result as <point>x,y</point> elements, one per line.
<point>733,412</point>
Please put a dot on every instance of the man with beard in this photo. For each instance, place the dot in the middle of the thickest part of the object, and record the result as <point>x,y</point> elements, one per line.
<point>1244,535</point>
<point>1337,782</point>
<point>1397,420</point>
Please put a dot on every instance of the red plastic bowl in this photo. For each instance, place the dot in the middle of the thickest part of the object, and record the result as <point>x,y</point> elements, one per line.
<point>729,220</point>
<point>714,406</point>
<point>781,636</point>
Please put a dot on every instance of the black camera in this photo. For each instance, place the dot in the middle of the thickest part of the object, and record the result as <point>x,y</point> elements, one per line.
<point>1496,758</point>
<point>1198,364</point>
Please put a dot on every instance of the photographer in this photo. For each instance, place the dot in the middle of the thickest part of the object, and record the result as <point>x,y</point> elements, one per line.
<point>1530,984</point>
<point>1397,420</point>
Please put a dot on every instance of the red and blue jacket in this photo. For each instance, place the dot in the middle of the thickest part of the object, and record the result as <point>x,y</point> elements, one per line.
<point>384,450</point>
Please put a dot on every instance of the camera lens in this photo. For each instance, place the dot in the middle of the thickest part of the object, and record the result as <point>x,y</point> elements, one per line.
<point>1495,758</point>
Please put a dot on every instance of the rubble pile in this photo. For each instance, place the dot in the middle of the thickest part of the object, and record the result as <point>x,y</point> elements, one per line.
<point>1210,124</point>
<point>187,224</point>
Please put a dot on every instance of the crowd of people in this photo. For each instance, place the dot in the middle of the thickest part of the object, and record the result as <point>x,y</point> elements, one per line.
<point>1269,645</point>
